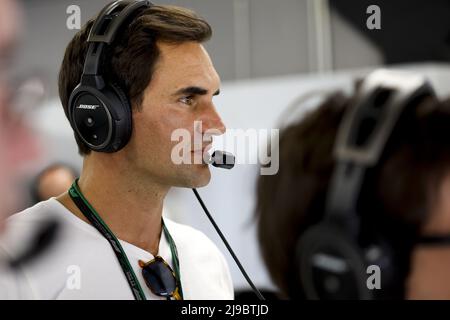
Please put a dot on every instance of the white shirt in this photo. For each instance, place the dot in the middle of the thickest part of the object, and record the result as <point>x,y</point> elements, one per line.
<point>81,264</point>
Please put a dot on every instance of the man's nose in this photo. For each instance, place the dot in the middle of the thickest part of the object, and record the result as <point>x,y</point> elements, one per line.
<point>213,123</point>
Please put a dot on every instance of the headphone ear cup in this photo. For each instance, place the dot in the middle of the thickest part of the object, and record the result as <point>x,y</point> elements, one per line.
<point>101,118</point>
<point>123,125</point>
<point>90,117</point>
<point>330,266</point>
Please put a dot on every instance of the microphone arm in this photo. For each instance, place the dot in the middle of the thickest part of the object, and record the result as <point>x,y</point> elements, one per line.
<point>225,160</point>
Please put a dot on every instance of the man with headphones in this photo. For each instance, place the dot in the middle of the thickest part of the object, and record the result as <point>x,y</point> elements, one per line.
<point>359,208</point>
<point>129,78</point>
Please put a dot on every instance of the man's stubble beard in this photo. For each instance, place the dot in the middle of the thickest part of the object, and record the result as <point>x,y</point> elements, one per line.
<point>189,176</point>
<point>173,175</point>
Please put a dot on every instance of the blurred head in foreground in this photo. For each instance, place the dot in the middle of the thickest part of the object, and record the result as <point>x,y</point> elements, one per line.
<point>403,202</point>
<point>16,143</point>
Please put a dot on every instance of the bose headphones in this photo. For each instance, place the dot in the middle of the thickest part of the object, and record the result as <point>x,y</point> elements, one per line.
<point>99,111</point>
<point>331,259</point>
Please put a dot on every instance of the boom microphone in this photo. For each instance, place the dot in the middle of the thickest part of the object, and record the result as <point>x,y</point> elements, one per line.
<point>222,159</point>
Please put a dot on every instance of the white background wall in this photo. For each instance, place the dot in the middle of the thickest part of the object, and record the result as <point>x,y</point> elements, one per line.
<point>251,38</point>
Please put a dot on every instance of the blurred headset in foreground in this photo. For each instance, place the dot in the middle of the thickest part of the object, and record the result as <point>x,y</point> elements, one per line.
<point>332,256</point>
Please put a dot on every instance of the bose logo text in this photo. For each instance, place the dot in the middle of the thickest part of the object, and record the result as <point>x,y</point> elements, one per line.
<point>88,106</point>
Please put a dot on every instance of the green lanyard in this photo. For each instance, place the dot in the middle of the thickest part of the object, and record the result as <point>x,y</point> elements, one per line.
<point>92,215</point>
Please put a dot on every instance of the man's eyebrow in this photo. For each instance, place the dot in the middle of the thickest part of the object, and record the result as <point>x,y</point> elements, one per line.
<point>193,90</point>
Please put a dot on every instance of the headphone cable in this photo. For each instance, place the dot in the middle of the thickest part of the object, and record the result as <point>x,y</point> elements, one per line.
<point>255,290</point>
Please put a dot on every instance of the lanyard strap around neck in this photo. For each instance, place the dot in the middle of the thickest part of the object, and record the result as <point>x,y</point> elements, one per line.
<point>95,219</point>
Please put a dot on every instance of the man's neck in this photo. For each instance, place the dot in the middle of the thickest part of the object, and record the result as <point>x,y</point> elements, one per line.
<point>128,203</point>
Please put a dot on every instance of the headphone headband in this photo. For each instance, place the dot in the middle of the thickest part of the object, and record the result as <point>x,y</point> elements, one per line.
<point>383,96</point>
<point>111,18</point>
<point>365,130</point>
<point>105,29</point>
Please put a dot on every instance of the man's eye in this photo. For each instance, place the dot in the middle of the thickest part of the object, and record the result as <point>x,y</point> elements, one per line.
<point>187,100</point>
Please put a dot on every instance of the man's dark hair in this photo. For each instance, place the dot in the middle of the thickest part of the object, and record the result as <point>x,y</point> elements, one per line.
<point>396,200</point>
<point>131,59</point>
